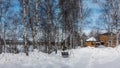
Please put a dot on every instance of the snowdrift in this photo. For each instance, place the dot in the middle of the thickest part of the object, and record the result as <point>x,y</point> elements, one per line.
<point>88,57</point>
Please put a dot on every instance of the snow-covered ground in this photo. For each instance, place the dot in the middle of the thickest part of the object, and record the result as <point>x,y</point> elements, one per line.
<point>79,58</point>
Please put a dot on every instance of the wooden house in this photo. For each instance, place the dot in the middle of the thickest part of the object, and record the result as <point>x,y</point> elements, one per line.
<point>108,39</point>
<point>92,42</point>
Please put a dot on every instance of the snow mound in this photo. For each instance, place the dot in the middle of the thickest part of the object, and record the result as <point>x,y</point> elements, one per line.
<point>101,46</point>
<point>91,39</point>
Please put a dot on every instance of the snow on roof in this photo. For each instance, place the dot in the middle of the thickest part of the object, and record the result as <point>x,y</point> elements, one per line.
<point>91,39</point>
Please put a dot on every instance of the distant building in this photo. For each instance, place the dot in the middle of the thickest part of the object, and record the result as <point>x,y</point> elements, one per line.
<point>92,42</point>
<point>108,39</point>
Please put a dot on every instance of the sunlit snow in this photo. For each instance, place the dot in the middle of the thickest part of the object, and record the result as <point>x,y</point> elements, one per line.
<point>88,57</point>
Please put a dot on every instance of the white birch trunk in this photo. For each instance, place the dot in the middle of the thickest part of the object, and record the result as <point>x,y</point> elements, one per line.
<point>35,28</point>
<point>81,21</point>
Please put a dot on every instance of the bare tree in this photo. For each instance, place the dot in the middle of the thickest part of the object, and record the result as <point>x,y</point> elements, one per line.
<point>48,21</point>
<point>111,17</point>
<point>6,8</point>
<point>84,13</point>
<point>35,27</point>
<point>73,12</point>
<point>1,3</point>
<point>25,25</point>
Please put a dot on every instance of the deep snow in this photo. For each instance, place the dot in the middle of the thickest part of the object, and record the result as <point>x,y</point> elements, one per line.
<point>88,57</point>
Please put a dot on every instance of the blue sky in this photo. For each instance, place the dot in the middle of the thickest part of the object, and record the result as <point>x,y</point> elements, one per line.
<point>95,8</point>
<point>95,13</point>
<point>15,6</point>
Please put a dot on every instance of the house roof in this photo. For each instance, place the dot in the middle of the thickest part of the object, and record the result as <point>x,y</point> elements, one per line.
<point>108,33</point>
<point>91,39</point>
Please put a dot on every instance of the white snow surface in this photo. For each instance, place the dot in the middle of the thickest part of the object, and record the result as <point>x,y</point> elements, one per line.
<point>91,39</point>
<point>88,57</point>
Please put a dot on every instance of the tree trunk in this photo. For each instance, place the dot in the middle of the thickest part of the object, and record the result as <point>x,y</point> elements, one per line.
<point>25,28</point>
<point>1,46</point>
<point>35,28</point>
<point>4,37</point>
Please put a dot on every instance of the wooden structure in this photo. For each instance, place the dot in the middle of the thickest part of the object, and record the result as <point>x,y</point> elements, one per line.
<point>108,39</point>
<point>92,42</point>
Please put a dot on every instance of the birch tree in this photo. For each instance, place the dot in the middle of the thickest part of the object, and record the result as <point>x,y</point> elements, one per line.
<point>47,21</point>
<point>118,24</point>
<point>1,4</point>
<point>25,25</point>
<point>84,13</point>
<point>6,6</point>
<point>73,12</point>
<point>35,27</point>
